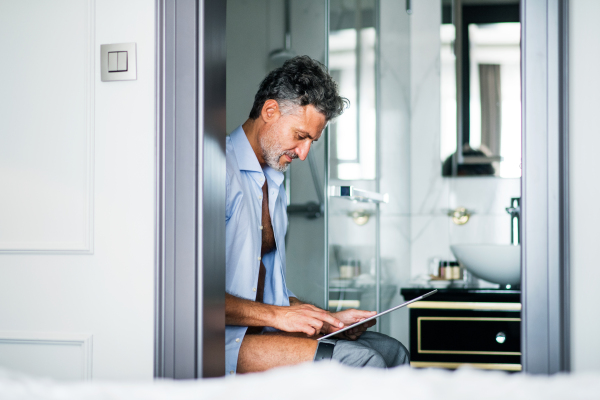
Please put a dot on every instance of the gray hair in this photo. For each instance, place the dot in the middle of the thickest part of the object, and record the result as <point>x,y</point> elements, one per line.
<point>301,81</point>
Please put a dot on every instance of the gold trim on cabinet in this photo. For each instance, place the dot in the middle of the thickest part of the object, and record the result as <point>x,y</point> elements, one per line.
<point>495,353</point>
<point>454,365</point>
<point>464,305</point>
<point>344,303</point>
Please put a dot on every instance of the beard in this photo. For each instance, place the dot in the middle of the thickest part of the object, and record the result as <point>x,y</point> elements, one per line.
<point>272,150</point>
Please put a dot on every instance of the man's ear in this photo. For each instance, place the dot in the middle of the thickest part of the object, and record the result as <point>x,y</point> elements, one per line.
<point>270,111</point>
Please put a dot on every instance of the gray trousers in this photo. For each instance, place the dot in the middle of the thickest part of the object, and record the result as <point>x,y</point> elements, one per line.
<point>371,349</point>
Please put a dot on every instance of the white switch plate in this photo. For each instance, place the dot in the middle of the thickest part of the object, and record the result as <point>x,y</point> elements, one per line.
<point>112,61</point>
<point>121,61</point>
<point>130,74</point>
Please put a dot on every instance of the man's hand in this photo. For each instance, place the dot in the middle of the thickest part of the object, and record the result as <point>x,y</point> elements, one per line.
<point>306,318</point>
<point>349,317</point>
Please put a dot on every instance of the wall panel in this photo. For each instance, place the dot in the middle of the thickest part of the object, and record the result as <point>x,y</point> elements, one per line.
<point>58,355</point>
<point>47,134</point>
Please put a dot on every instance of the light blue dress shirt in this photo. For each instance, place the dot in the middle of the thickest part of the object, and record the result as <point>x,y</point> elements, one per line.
<point>245,179</point>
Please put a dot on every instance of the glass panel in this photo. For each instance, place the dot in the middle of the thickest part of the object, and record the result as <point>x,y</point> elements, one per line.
<point>352,65</point>
<point>352,226</point>
<point>352,255</point>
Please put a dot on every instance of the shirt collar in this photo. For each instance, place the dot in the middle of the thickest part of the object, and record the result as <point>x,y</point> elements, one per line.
<point>246,157</point>
<point>244,153</point>
<point>276,176</point>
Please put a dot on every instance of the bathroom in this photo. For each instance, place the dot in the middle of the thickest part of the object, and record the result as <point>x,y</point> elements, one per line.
<point>406,133</point>
<point>101,270</point>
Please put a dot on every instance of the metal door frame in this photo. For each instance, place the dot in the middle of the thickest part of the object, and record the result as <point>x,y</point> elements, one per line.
<point>545,245</point>
<point>190,189</point>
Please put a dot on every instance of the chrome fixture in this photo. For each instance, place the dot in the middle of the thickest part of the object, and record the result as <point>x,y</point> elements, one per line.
<point>360,217</point>
<point>515,220</point>
<point>354,194</point>
<point>460,215</point>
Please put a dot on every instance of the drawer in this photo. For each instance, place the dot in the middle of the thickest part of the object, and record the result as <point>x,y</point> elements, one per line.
<point>498,336</point>
<point>487,336</point>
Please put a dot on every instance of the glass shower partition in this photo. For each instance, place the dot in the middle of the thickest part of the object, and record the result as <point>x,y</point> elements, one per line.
<point>332,243</point>
<point>352,210</point>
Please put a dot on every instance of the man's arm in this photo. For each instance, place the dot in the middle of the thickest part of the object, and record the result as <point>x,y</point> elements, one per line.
<point>247,312</point>
<point>295,318</point>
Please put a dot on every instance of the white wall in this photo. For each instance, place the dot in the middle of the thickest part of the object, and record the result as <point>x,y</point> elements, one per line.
<point>77,289</point>
<point>584,142</point>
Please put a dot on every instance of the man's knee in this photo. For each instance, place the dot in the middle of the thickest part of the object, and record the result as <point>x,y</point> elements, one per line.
<point>393,352</point>
<point>351,354</point>
<point>402,355</point>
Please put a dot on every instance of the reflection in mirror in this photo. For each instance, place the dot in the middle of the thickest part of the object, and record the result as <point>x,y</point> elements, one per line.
<point>489,142</point>
<point>352,39</point>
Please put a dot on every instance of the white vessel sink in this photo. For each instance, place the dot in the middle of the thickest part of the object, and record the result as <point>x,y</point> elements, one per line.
<point>497,263</point>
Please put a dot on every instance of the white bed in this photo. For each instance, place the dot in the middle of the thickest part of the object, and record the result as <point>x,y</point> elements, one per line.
<point>320,381</point>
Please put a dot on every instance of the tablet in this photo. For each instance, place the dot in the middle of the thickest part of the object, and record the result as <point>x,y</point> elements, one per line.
<point>380,314</point>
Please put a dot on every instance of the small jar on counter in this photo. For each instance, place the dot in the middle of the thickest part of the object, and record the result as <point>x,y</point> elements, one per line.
<point>455,271</point>
<point>449,270</point>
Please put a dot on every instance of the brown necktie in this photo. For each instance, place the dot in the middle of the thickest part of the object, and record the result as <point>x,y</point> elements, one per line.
<point>264,249</point>
<point>268,244</point>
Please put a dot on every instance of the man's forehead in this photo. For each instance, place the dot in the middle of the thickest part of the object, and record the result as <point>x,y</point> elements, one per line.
<point>308,120</point>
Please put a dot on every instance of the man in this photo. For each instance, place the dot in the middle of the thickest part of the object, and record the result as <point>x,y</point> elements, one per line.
<point>267,326</point>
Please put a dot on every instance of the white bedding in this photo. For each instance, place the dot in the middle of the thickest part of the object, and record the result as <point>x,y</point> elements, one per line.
<point>320,382</point>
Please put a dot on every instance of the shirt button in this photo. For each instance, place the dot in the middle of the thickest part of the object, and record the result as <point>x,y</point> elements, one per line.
<point>260,197</point>
<point>237,340</point>
<point>261,227</point>
<point>231,372</point>
<point>254,289</point>
<point>259,259</point>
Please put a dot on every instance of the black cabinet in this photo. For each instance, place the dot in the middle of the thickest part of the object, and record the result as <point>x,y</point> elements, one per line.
<point>461,328</point>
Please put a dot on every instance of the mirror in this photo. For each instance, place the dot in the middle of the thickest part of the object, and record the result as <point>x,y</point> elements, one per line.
<point>352,39</point>
<point>480,89</point>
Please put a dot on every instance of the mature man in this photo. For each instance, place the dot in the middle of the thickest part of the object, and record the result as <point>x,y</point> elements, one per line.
<point>267,326</point>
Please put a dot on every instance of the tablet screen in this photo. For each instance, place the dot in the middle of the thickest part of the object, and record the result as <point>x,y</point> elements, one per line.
<point>380,314</point>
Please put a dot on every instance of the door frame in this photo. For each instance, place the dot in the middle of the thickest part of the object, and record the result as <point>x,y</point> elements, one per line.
<point>190,189</point>
<point>545,339</point>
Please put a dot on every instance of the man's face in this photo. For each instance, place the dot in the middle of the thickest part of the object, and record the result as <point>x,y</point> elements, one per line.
<point>290,136</point>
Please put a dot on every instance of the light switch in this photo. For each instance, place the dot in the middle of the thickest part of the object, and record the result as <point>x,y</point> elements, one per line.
<point>118,62</point>
<point>113,61</point>
<point>122,61</point>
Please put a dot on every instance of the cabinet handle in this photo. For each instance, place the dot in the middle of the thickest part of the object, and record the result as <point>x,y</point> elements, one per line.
<point>500,337</point>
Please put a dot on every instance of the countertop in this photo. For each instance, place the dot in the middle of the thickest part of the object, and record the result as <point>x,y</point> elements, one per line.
<point>465,294</point>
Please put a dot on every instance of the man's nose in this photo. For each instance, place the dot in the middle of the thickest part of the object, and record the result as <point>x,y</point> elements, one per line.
<point>303,150</point>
